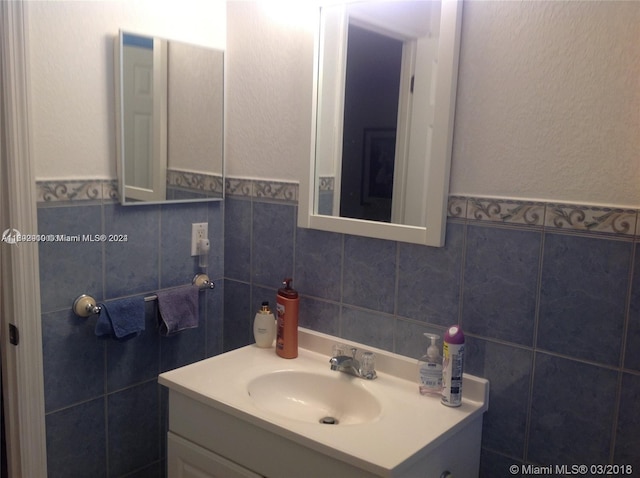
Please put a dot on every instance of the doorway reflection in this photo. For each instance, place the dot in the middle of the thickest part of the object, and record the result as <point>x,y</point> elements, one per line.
<point>372,89</point>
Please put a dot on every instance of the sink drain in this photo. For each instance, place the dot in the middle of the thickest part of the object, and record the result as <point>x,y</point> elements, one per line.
<point>329,421</point>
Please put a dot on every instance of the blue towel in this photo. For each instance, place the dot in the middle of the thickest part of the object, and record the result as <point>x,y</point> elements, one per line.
<point>178,309</point>
<point>121,318</point>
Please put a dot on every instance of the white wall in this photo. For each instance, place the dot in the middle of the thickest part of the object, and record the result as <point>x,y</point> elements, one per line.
<point>71,62</point>
<point>270,73</point>
<point>548,105</point>
<point>548,100</point>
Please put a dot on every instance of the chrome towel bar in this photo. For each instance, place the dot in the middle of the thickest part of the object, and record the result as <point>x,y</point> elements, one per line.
<point>84,305</point>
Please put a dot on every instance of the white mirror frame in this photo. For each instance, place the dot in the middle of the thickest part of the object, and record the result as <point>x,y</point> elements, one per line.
<point>438,169</point>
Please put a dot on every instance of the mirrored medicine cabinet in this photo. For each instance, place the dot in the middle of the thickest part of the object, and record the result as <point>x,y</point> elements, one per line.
<point>384,98</point>
<point>170,120</point>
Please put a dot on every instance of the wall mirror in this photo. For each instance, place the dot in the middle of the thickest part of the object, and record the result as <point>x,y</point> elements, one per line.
<point>384,99</point>
<point>170,128</point>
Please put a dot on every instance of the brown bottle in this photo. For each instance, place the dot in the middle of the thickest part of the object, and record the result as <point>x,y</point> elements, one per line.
<point>288,305</point>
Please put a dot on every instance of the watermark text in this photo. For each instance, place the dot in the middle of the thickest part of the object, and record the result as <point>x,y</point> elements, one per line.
<point>13,236</point>
<point>571,470</point>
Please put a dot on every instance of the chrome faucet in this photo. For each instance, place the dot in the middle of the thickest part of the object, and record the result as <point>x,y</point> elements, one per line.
<point>351,365</point>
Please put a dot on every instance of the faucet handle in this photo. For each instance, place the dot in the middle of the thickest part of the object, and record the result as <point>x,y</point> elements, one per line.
<point>353,352</point>
<point>368,365</point>
<point>338,350</point>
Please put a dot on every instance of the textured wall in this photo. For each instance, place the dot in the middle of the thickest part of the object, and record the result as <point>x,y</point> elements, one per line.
<point>71,62</point>
<point>269,84</point>
<point>548,105</point>
<point>548,100</point>
<point>196,108</point>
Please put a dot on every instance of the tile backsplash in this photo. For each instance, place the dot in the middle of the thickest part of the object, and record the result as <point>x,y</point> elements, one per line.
<point>105,412</point>
<point>548,296</point>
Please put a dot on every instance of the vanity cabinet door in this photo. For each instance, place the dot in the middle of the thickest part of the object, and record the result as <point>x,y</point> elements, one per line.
<point>188,460</point>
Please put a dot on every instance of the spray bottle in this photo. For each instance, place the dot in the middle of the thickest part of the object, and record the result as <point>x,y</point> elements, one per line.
<point>452,367</point>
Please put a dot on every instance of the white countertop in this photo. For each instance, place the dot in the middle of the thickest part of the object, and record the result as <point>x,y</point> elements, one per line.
<point>409,426</point>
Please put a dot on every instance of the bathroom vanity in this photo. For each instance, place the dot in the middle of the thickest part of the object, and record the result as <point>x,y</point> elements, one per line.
<point>250,413</point>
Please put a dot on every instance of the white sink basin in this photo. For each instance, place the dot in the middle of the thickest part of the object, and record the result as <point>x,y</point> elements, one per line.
<point>252,395</point>
<point>314,398</point>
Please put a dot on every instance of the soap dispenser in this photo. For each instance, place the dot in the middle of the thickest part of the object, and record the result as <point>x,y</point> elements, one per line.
<point>264,326</point>
<point>430,369</point>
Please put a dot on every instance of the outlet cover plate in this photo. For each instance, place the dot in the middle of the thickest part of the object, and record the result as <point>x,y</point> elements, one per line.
<point>199,230</point>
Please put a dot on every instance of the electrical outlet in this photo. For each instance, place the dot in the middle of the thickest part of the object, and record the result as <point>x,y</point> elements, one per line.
<point>199,230</point>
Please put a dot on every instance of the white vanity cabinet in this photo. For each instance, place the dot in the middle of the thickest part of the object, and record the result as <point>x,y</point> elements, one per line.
<point>216,428</point>
<point>185,459</point>
<point>204,442</point>
<point>252,448</point>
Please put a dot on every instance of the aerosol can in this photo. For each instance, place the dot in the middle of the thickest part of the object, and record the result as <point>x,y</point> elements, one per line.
<point>452,367</point>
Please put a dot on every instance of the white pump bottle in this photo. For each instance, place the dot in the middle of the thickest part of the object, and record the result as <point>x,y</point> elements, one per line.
<point>430,369</point>
<point>264,327</point>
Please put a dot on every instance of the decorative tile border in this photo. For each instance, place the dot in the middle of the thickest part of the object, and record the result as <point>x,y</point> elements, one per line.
<point>76,190</point>
<point>107,189</point>
<point>620,222</point>
<point>276,190</point>
<point>238,187</point>
<point>568,217</point>
<point>327,183</point>
<point>209,184</point>
<point>262,189</point>
<point>509,211</point>
<point>591,218</point>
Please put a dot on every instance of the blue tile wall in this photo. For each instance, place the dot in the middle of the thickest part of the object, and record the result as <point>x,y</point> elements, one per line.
<point>368,273</point>
<point>628,438</point>
<point>105,413</point>
<point>508,370</point>
<point>271,243</point>
<point>500,280</point>
<point>318,263</point>
<point>583,297</point>
<point>429,279</point>
<point>552,316</point>
<point>132,267</point>
<point>572,411</point>
<point>133,413</point>
<point>77,441</point>
<point>237,246</point>
<point>632,349</point>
